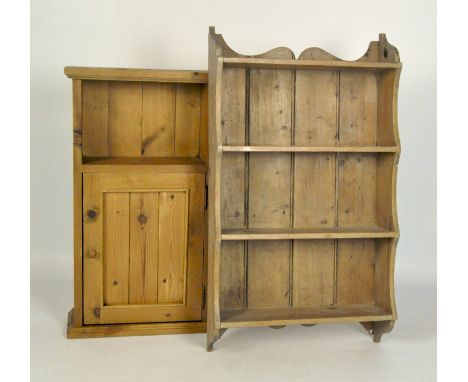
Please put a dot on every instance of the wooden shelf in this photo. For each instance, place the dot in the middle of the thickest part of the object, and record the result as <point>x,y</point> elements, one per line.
<point>312,149</point>
<point>265,63</point>
<point>298,233</point>
<point>298,316</point>
<point>144,75</point>
<point>143,164</point>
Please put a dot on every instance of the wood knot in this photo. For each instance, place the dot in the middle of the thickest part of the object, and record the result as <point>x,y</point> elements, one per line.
<point>97,312</point>
<point>91,214</point>
<point>142,219</point>
<point>92,253</point>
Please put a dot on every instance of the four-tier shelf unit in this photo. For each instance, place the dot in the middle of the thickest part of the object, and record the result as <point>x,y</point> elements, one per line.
<point>302,188</point>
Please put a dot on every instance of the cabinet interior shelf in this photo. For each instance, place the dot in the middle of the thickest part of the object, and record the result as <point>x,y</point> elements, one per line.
<point>301,316</point>
<point>373,232</point>
<point>156,164</point>
<point>265,63</point>
<point>312,149</point>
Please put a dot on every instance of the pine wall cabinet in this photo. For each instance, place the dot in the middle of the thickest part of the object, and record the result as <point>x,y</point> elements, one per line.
<point>140,159</point>
<point>303,159</point>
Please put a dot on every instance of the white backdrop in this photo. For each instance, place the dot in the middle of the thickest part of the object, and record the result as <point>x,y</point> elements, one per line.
<point>173,35</point>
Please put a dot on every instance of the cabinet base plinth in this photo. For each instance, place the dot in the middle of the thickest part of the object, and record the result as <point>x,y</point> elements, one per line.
<point>121,330</point>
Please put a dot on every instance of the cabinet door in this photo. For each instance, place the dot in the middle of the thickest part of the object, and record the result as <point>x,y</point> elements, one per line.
<point>143,247</point>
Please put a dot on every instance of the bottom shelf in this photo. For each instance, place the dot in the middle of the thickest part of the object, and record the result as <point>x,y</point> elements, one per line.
<point>298,316</point>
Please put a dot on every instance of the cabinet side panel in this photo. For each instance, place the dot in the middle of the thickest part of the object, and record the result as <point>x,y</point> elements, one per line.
<point>358,108</point>
<point>383,273</point>
<point>386,112</point>
<point>158,130</point>
<point>270,115</point>
<point>355,272</point>
<point>144,247</point>
<point>313,272</point>
<point>116,247</point>
<point>125,115</point>
<point>357,190</point>
<point>187,123</point>
<point>95,119</point>
<point>173,246</point>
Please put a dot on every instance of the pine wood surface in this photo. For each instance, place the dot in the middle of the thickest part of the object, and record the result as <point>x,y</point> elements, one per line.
<point>304,152</point>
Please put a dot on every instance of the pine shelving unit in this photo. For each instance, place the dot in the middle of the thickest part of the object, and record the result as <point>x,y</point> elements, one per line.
<point>302,187</point>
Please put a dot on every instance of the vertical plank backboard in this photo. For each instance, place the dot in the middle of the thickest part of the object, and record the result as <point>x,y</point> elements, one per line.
<point>357,190</point>
<point>271,99</point>
<point>125,115</point>
<point>358,108</point>
<point>172,246</point>
<point>313,272</point>
<point>232,262</point>
<point>116,247</point>
<point>187,122</point>
<point>158,130</point>
<point>355,273</point>
<point>95,118</point>
<point>144,247</point>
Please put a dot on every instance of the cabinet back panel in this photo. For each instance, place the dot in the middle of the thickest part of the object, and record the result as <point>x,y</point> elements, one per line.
<point>134,119</point>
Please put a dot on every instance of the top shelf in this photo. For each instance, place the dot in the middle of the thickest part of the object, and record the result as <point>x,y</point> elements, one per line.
<point>145,75</point>
<point>265,63</point>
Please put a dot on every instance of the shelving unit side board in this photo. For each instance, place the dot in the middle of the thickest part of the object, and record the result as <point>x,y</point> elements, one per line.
<point>303,226</point>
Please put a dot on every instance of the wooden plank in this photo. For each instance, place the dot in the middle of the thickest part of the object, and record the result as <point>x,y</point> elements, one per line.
<point>313,273</point>
<point>77,205</point>
<point>187,123</point>
<point>75,331</point>
<point>92,249</point>
<point>204,123</point>
<point>383,274</point>
<point>357,190</point>
<point>268,274</point>
<point>232,284</point>
<point>125,115</point>
<point>309,315</point>
<point>271,96</point>
<point>95,119</point>
<point>126,74</point>
<point>314,190</point>
<point>116,248</point>
<point>273,63</point>
<point>172,247</point>
<point>144,164</point>
<point>355,272</point>
<point>158,125</point>
<point>358,108</point>
<point>144,247</point>
<point>316,233</point>
<point>312,149</point>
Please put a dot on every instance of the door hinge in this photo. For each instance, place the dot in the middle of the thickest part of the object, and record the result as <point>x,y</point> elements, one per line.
<point>203,297</point>
<point>206,196</point>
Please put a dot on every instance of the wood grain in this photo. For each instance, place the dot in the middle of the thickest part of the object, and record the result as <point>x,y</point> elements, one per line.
<point>173,247</point>
<point>144,247</point>
<point>116,248</point>
<point>125,116</point>
<point>187,121</point>
<point>158,123</point>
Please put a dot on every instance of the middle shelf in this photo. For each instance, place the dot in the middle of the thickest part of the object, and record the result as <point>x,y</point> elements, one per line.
<point>370,232</point>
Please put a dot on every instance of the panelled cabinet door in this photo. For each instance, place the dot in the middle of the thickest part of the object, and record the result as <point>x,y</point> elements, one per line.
<point>143,247</point>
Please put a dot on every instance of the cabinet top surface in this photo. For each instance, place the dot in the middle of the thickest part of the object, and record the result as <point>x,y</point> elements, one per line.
<point>123,74</point>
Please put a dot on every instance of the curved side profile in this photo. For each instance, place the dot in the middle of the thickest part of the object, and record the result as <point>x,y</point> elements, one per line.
<point>302,224</point>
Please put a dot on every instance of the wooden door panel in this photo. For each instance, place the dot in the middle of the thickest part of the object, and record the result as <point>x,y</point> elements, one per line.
<point>148,244</point>
<point>173,241</point>
<point>144,247</point>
